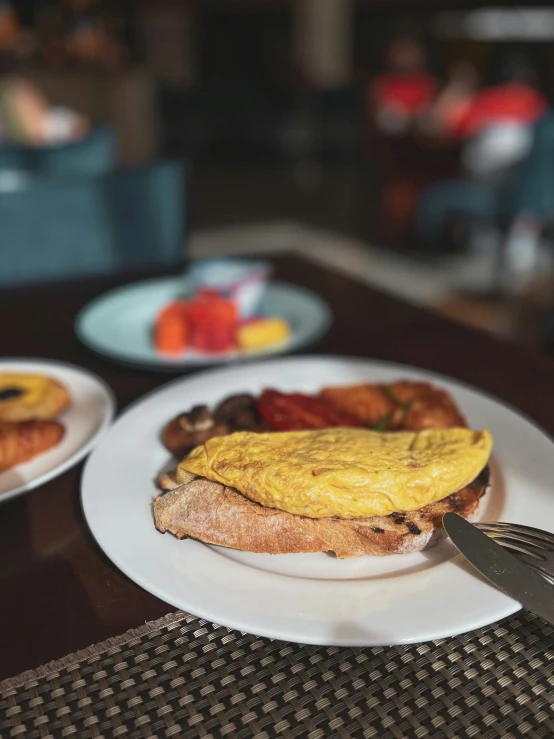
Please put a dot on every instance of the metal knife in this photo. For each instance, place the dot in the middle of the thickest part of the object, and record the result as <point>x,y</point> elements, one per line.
<point>504,570</point>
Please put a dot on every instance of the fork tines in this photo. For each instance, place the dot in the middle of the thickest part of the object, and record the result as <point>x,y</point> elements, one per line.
<point>536,537</point>
<point>535,547</point>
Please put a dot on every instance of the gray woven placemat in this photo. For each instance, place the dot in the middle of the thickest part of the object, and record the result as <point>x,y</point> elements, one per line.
<point>184,677</point>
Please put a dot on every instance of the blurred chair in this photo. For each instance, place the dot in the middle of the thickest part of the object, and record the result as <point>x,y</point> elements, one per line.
<point>495,164</point>
<point>533,190</point>
<point>94,154</point>
<point>66,227</point>
<point>451,200</point>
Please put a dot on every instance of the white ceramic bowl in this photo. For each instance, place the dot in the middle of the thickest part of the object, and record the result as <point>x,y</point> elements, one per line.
<point>243,280</point>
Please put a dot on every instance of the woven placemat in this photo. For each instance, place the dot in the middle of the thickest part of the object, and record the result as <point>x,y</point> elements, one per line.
<point>184,677</point>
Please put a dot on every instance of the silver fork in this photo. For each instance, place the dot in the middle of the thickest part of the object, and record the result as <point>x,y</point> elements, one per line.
<point>535,547</point>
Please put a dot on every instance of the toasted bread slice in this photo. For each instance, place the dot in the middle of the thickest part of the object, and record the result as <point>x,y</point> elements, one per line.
<point>215,514</point>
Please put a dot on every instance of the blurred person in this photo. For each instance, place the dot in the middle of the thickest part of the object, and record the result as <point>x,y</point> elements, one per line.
<point>454,100</point>
<point>513,97</point>
<point>501,151</point>
<point>80,32</point>
<point>494,123</point>
<point>531,203</point>
<point>87,42</point>
<point>405,90</point>
<point>498,134</point>
<point>27,118</point>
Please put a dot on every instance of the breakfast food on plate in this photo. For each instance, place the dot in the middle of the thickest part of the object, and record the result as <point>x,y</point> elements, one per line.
<point>404,404</point>
<point>21,442</point>
<point>211,323</point>
<point>207,323</point>
<point>257,333</point>
<point>334,481</point>
<point>215,514</point>
<point>298,412</point>
<point>28,406</point>
<point>170,330</point>
<point>29,397</point>
<point>188,430</point>
<point>341,472</point>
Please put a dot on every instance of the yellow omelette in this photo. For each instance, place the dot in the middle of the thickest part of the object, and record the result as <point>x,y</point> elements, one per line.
<point>343,472</point>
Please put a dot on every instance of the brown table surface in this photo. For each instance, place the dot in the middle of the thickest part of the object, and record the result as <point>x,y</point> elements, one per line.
<point>59,593</point>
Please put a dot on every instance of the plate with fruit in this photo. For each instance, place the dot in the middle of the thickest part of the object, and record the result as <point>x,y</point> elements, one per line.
<point>199,319</point>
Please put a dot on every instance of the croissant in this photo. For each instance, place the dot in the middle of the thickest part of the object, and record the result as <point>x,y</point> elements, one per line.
<point>20,442</point>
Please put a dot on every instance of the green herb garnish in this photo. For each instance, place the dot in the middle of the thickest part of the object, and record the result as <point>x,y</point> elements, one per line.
<point>382,423</point>
<point>405,410</point>
<point>405,405</point>
<point>394,399</point>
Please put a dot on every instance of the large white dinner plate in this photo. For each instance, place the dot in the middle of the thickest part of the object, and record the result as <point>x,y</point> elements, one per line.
<point>119,324</point>
<point>310,598</point>
<point>85,420</point>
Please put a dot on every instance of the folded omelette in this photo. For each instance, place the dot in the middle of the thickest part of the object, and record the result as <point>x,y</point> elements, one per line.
<point>343,472</point>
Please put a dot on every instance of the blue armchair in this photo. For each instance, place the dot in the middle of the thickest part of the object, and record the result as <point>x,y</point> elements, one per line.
<point>94,154</point>
<point>71,226</point>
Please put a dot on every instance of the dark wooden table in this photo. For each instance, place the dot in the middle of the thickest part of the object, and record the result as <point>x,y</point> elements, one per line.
<point>58,592</point>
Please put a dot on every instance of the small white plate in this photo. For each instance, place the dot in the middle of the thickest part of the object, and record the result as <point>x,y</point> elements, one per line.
<point>310,598</point>
<point>85,420</point>
<point>119,324</point>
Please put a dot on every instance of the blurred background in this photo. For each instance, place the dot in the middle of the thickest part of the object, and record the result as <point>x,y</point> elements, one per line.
<point>408,143</point>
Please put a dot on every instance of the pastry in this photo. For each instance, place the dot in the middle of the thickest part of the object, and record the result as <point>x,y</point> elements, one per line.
<point>31,397</point>
<point>20,442</point>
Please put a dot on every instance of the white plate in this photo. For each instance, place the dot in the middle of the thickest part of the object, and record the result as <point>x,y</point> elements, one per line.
<point>119,324</point>
<point>309,598</point>
<point>89,415</point>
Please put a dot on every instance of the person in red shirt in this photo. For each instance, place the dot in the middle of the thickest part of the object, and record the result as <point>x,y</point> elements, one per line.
<point>453,101</point>
<point>513,98</point>
<point>405,90</point>
<point>506,197</point>
<point>511,103</point>
<point>511,139</point>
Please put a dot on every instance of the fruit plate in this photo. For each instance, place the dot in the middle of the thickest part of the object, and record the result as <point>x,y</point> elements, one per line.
<point>119,324</point>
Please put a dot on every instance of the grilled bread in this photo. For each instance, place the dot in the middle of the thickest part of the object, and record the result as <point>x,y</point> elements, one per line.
<point>216,514</point>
